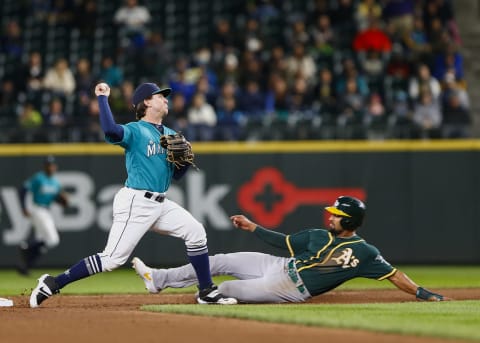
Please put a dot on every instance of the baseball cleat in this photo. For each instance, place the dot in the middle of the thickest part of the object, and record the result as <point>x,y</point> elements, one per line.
<point>46,287</point>
<point>212,296</point>
<point>145,273</point>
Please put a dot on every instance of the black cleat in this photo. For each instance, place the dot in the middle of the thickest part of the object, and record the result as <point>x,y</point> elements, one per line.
<point>211,295</point>
<point>45,289</point>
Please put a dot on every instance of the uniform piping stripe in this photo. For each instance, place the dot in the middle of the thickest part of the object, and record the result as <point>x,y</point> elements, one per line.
<point>197,251</point>
<point>330,240</point>
<point>125,226</point>
<point>329,255</point>
<point>290,249</point>
<point>89,267</point>
<point>388,275</point>
<point>94,264</point>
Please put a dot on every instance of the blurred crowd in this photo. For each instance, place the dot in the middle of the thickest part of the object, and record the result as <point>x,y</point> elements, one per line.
<point>259,69</point>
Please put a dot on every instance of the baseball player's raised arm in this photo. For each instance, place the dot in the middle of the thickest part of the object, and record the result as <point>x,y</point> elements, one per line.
<point>111,129</point>
<point>273,238</point>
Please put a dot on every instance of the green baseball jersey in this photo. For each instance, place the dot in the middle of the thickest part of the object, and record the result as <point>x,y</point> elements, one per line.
<point>145,159</point>
<point>325,261</point>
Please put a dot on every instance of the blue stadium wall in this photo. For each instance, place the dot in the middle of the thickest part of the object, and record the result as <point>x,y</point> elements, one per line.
<point>422,197</point>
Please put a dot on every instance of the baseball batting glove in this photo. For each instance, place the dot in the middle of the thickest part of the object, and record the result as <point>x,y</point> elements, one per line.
<point>179,150</point>
<point>426,295</point>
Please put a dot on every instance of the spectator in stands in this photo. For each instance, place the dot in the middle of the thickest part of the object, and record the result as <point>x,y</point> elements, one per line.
<point>30,77</point>
<point>231,71</point>
<point>121,101</point>
<point>367,9</point>
<point>278,98</point>
<point>300,63</point>
<point>277,62</point>
<point>202,119</point>
<point>325,94</point>
<point>229,120</point>
<point>450,59</point>
<point>438,37</point>
<point>350,71</point>
<point>223,37</point>
<point>181,81</point>
<point>207,89</point>
<point>251,37</point>
<point>373,64</point>
<point>132,20</point>
<point>177,118</point>
<point>59,79</point>
<point>93,131</point>
<point>323,39</point>
<point>423,80</point>
<point>110,72</point>
<point>372,38</point>
<point>84,79</point>
<point>11,43</point>
<point>401,117</point>
<point>301,97</point>
<point>399,15</point>
<point>157,57</point>
<point>451,86</point>
<point>417,42</point>
<point>456,118</point>
<point>229,89</point>
<point>351,105</point>
<point>375,117</point>
<point>252,100</point>
<point>8,102</point>
<point>297,33</point>
<point>55,117</point>
<point>427,115</point>
<point>30,117</point>
<point>252,67</point>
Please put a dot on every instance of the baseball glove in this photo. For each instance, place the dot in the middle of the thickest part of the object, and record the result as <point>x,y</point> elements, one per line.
<point>179,150</point>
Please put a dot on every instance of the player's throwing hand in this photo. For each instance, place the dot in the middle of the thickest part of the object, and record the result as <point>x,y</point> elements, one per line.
<point>102,89</point>
<point>242,222</point>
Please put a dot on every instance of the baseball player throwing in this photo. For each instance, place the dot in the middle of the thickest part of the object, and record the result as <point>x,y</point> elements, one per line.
<point>45,190</point>
<point>320,260</point>
<point>141,205</point>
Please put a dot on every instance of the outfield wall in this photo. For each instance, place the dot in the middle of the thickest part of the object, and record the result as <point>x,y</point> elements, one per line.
<point>421,197</point>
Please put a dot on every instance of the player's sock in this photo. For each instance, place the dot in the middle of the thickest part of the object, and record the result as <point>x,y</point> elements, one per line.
<point>88,266</point>
<point>34,250</point>
<point>200,262</point>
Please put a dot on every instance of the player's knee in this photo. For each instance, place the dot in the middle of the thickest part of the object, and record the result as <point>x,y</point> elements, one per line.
<point>196,236</point>
<point>228,289</point>
<point>110,263</point>
<point>52,242</point>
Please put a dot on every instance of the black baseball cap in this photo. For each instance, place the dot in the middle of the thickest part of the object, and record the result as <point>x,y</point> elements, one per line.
<point>146,90</point>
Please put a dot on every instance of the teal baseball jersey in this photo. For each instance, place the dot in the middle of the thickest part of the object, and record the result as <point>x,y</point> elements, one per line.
<point>44,188</point>
<point>325,261</point>
<point>145,159</point>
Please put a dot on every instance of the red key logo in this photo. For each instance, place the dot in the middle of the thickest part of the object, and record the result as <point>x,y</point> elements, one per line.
<point>268,197</point>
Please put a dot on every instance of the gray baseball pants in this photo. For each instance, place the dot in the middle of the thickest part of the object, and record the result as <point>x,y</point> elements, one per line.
<point>261,278</point>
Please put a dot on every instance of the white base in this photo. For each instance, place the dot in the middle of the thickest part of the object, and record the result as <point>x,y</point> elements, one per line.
<point>6,302</point>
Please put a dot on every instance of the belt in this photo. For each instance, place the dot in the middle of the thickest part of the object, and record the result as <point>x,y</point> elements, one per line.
<point>158,198</point>
<point>293,274</point>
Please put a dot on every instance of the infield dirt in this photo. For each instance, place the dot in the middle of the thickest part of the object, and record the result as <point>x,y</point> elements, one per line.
<point>117,318</point>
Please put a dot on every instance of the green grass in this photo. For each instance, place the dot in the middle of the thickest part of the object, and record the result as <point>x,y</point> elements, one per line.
<point>126,281</point>
<point>458,320</point>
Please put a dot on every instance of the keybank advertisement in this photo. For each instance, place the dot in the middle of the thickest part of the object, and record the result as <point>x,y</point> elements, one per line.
<point>415,202</point>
